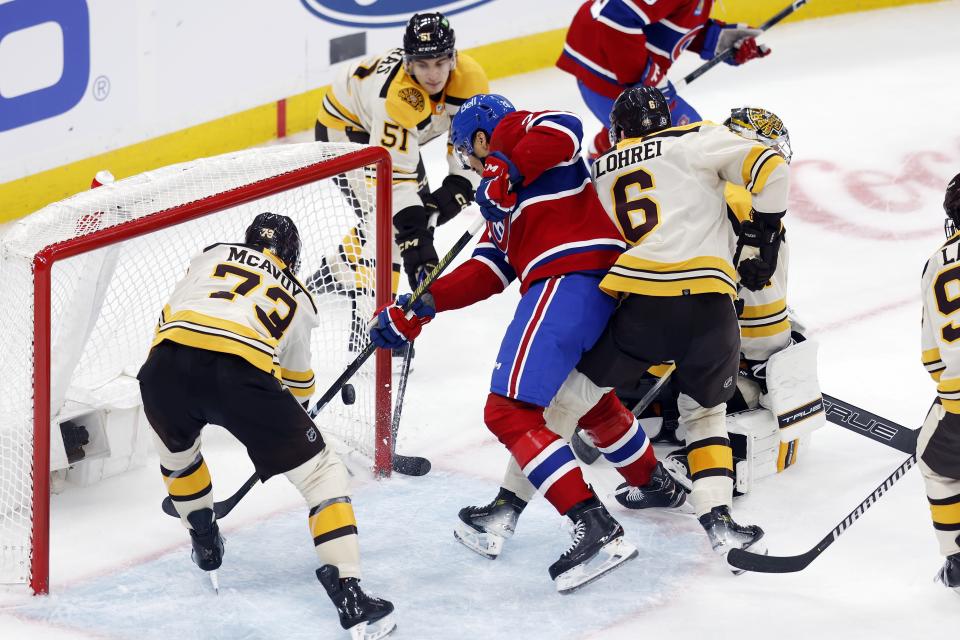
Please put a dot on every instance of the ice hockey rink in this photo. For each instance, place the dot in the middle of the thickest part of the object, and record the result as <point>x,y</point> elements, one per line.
<point>872,105</point>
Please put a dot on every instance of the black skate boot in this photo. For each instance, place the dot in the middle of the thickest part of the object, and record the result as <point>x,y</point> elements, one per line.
<point>207,543</point>
<point>726,534</point>
<point>598,547</point>
<point>484,529</point>
<point>949,574</point>
<point>364,616</point>
<point>661,491</point>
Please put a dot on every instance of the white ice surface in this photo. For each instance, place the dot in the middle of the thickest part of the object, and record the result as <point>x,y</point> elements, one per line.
<point>871,101</point>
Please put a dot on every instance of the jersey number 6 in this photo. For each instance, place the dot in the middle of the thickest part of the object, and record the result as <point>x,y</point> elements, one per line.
<point>637,214</point>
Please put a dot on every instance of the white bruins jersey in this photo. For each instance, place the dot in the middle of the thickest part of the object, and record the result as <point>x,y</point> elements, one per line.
<point>239,300</point>
<point>940,291</point>
<point>665,192</point>
<point>377,95</point>
<point>764,324</point>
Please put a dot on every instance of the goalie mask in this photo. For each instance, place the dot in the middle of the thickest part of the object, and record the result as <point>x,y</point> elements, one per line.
<point>763,126</point>
<point>951,206</point>
<point>278,234</point>
<point>637,112</point>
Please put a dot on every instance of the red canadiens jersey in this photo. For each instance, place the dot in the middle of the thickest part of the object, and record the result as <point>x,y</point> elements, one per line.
<point>558,226</point>
<point>610,42</point>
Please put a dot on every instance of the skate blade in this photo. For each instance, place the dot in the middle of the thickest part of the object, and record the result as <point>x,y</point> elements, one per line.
<point>488,545</point>
<point>612,555</point>
<point>373,630</point>
<point>679,474</point>
<point>215,581</point>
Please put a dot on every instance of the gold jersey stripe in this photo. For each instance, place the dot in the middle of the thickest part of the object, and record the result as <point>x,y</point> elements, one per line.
<point>297,376</point>
<point>931,356</point>
<point>764,310</point>
<point>951,406</point>
<point>765,331</point>
<point>768,166</point>
<point>222,344</point>
<point>331,518</point>
<point>613,284</point>
<point>189,484</point>
<point>715,456</point>
<point>194,317</point>
<point>748,162</point>
<point>949,385</point>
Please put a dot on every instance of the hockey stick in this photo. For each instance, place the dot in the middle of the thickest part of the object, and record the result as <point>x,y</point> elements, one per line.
<point>407,465</point>
<point>221,508</point>
<point>587,451</point>
<point>787,564</point>
<point>870,425</point>
<point>224,507</point>
<point>720,57</point>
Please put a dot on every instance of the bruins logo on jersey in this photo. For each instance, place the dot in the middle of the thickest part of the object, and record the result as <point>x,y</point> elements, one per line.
<point>412,97</point>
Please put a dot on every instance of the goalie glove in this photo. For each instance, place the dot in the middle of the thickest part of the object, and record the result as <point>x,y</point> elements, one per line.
<point>392,328</point>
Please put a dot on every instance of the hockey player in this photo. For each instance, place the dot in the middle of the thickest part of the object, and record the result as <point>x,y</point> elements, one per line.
<point>938,446</point>
<point>545,226</point>
<point>778,398</point>
<point>233,347</point>
<point>401,100</point>
<point>677,280</point>
<point>616,44</point>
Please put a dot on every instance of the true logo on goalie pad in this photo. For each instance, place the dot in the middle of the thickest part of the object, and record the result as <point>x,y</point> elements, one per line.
<point>800,413</point>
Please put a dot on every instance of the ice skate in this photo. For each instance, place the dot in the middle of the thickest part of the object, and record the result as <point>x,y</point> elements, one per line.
<point>660,491</point>
<point>676,465</point>
<point>364,616</point>
<point>597,548</point>
<point>207,543</point>
<point>949,574</point>
<point>485,529</point>
<point>726,534</point>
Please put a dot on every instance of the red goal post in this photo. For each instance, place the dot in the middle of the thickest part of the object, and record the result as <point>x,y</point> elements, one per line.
<point>331,193</point>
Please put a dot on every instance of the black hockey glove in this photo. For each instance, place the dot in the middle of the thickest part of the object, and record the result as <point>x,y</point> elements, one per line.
<point>763,232</point>
<point>415,239</point>
<point>454,194</point>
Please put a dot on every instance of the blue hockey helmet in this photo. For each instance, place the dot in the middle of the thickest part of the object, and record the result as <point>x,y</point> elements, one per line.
<point>482,112</point>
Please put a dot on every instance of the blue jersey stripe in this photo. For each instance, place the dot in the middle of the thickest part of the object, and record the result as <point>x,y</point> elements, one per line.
<point>617,11</point>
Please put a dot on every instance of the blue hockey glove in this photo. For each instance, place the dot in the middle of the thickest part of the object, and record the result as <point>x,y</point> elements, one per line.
<point>391,328</point>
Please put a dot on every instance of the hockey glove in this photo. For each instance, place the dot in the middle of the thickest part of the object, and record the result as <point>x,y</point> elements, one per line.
<point>391,328</point>
<point>495,195</point>
<point>454,194</point>
<point>720,36</point>
<point>754,273</point>
<point>415,239</point>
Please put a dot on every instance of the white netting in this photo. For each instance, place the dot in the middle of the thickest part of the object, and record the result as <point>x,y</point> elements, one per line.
<point>105,304</point>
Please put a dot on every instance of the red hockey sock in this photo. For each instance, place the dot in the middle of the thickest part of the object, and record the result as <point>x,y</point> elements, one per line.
<point>621,439</point>
<point>546,460</point>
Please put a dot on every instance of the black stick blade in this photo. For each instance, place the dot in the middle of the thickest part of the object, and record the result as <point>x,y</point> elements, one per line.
<point>769,564</point>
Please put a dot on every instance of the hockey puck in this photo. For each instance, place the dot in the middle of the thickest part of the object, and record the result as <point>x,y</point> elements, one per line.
<point>348,394</point>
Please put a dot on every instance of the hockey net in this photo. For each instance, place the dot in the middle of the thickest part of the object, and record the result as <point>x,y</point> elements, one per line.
<point>86,278</point>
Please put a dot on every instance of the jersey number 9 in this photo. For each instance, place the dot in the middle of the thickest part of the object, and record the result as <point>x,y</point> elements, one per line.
<point>946,303</point>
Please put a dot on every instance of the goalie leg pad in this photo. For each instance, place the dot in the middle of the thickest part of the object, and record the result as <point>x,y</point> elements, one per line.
<point>621,439</point>
<point>755,439</point>
<point>793,390</point>
<point>546,460</point>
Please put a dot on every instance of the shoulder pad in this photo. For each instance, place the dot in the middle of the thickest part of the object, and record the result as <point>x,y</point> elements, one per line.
<point>468,79</point>
<point>406,102</point>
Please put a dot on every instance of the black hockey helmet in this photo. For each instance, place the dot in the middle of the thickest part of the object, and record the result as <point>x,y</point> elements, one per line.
<point>277,233</point>
<point>428,35</point>
<point>951,206</point>
<point>638,111</point>
<point>754,123</point>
